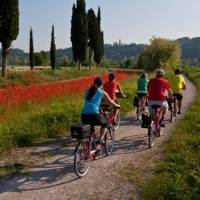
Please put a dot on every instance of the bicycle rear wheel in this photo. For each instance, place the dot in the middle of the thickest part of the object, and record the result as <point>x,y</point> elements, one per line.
<point>172,115</point>
<point>109,141</point>
<point>151,134</point>
<point>139,113</point>
<point>82,161</point>
<point>117,121</point>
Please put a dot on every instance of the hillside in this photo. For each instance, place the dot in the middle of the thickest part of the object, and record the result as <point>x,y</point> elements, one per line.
<point>118,53</point>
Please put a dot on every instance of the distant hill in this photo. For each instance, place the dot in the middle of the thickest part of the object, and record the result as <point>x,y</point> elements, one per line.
<point>190,50</point>
<point>118,53</point>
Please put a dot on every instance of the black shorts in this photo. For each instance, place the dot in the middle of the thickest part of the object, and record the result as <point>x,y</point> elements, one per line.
<point>95,119</point>
<point>178,96</point>
<point>140,95</point>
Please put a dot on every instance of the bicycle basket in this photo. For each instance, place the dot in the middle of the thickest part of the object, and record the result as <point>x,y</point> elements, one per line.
<point>80,131</point>
<point>145,120</point>
<point>136,101</point>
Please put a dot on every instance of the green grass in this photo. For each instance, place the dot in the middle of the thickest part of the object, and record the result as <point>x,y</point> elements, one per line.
<point>46,75</point>
<point>178,175</point>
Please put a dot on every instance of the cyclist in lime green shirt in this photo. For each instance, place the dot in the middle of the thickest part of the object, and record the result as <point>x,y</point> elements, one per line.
<point>178,85</point>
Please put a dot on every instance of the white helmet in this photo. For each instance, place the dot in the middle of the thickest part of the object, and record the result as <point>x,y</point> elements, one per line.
<point>160,72</point>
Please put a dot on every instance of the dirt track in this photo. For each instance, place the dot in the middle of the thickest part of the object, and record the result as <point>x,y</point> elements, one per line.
<point>56,180</point>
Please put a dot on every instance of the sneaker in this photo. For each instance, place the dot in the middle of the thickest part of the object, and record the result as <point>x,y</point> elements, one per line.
<point>179,112</point>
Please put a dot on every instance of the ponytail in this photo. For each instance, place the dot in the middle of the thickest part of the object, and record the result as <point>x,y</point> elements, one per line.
<point>92,91</point>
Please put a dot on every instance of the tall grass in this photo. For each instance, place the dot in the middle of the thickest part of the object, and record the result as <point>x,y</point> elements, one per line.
<point>178,175</point>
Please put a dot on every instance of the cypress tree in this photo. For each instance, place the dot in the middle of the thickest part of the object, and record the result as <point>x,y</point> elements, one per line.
<point>98,52</point>
<point>9,28</point>
<point>92,33</point>
<point>79,32</point>
<point>53,50</point>
<point>73,33</point>
<point>31,50</point>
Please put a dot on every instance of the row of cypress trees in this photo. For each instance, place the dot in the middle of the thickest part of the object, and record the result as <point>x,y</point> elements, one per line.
<point>52,50</point>
<point>86,34</point>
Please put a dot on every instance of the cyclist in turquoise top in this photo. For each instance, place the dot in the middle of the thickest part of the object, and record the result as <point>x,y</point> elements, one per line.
<point>90,113</point>
<point>142,89</point>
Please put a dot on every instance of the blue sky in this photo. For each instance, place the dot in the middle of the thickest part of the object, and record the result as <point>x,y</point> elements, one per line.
<point>126,20</point>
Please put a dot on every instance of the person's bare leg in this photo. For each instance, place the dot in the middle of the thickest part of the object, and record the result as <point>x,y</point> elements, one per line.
<point>102,133</point>
<point>116,111</point>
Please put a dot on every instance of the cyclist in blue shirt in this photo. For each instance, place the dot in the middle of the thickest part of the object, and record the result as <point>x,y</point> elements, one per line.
<point>90,113</point>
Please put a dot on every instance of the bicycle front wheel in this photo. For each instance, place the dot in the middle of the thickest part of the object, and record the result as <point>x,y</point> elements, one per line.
<point>82,161</point>
<point>109,141</point>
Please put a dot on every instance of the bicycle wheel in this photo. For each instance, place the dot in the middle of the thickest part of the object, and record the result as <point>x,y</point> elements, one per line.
<point>160,132</point>
<point>151,134</point>
<point>117,121</point>
<point>109,141</point>
<point>81,161</point>
<point>139,113</point>
<point>172,115</point>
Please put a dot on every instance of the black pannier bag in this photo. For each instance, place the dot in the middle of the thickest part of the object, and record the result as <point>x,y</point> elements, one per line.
<point>136,101</point>
<point>80,131</point>
<point>145,120</point>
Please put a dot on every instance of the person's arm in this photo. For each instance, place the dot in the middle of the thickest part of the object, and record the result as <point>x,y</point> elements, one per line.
<point>168,88</point>
<point>121,91</point>
<point>183,84</point>
<point>107,98</point>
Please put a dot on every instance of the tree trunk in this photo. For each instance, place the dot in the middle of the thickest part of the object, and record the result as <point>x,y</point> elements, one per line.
<point>79,64</point>
<point>90,58</point>
<point>4,62</point>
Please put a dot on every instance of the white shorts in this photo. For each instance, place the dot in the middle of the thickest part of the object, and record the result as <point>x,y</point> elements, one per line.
<point>163,104</point>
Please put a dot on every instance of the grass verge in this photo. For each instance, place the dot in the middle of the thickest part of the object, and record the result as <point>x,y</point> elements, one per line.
<point>178,175</point>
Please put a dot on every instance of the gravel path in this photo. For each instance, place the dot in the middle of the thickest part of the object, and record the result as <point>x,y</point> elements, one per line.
<point>56,180</point>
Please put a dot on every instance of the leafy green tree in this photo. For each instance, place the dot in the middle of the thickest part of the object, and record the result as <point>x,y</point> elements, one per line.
<point>128,63</point>
<point>9,28</point>
<point>31,50</point>
<point>45,58</point>
<point>41,58</point>
<point>53,50</point>
<point>79,32</point>
<point>160,52</point>
<point>92,33</point>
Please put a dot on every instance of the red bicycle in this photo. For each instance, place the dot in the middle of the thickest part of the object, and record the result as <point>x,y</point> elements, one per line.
<point>109,111</point>
<point>155,127</point>
<point>86,143</point>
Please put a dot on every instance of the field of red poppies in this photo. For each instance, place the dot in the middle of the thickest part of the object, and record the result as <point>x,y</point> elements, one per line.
<point>31,113</point>
<point>17,96</point>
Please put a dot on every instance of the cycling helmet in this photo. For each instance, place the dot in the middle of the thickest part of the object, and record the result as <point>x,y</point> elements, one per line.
<point>98,81</point>
<point>160,72</point>
<point>144,75</point>
<point>177,71</point>
<point>111,77</point>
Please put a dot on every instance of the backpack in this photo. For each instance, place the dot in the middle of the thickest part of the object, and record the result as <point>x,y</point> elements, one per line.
<point>145,120</point>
